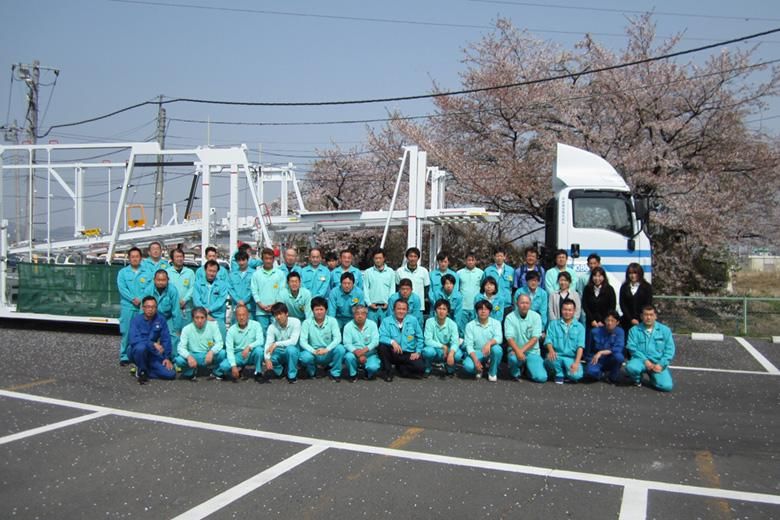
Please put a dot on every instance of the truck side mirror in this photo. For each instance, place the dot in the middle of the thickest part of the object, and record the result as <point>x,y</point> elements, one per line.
<point>631,244</point>
<point>642,207</point>
<point>575,250</point>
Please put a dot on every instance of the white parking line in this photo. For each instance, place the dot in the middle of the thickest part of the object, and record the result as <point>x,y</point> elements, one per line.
<point>724,371</point>
<point>323,444</point>
<point>244,488</point>
<point>634,504</point>
<point>50,427</point>
<point>758,355</point>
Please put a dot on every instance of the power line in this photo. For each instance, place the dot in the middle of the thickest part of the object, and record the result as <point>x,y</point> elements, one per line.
<point>463,112</point>
<point>629,11</point>
<point>305,15</point>
<point>588,72</point>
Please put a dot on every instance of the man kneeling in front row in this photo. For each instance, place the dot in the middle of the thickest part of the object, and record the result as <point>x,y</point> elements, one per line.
<point>652,349</point>
<point>150,343</point>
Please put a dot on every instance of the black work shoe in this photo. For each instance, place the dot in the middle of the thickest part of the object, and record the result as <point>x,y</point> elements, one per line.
<point>260,378</point>
<point>334,378</point>
<point>352,379</point>
<point>292,380</point>
<point>124,362</point>
<point>389,377</point>
<point>143,377</point>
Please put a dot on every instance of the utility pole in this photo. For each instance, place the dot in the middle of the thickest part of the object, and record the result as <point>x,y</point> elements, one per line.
<point>158,184</point>
<point>31,75</point>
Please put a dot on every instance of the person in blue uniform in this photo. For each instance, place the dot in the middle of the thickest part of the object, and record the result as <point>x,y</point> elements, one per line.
<point>401,343</point>
<point>211,293</point>
<point>651,346</point>
<point>470,285</point>
<point>605,353</point>
<point>211,254</point>
<point>483,343</point>
<point>253,262</point>
<point>565,343</point>
<point>321,340</point>
<point>361,339</point>
<point>316,276</point>
<point>343,298</point>
<point>167,298</point>
<point>531,265</point>
<point>290,263</point>
<point>150,344</point>
<point>131,282</point>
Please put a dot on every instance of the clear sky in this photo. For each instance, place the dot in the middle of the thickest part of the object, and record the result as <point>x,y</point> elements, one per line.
<point>112,54</point>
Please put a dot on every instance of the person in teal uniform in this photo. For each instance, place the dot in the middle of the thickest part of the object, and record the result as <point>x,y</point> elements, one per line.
<point>131,282</point>
<point>651,346</point>
<point>343,298</point>
<point>447,291</point>
<point>345,266</point>
<point>243,345</point>
<point>315,276</point>
<point>470,286</point>
<point>155,261</point>
<point>253,262</point>
<point>321,340</point>
<point>201,345</point>
<point>539,297</point>
<point>378,286</point>
<point>503,274</point>
<point>211,293</point>
<point>267,283</point>
<point>483,343</point>
<point>183,278</point>
<point>211,254</point>
<point>523,332</point>
<point>565,343</point>
<point>240,288</point>
<point>361,338</point>
<point>297,298</point>
<point>406,293</point>
<point>167,298</point>
<point>290,264</point>
<point>281,349</point>
<point>551,277</point>
<point>493,295</point>
<point>401,343</point>
<point>441,336</point>
<point>443,262</point>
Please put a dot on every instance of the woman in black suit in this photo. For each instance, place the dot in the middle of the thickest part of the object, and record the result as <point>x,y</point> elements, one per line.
<point>598,299</point>
<point>635,294</point>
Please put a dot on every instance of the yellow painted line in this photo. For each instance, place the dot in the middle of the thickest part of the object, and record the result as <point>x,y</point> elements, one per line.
<point>406,437</point>
<point>706,465</point>
<point>29,385</point>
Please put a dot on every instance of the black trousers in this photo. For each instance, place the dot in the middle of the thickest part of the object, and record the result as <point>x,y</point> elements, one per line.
<point>406,366</point>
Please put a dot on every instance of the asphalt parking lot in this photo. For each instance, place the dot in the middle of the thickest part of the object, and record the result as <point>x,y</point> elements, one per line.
<point>81,439</point>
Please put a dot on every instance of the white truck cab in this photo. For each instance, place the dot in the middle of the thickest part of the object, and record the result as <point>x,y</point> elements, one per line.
<point>593,211</point>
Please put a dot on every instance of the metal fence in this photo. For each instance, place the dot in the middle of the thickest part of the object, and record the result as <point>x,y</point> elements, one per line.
<point>732,315</point>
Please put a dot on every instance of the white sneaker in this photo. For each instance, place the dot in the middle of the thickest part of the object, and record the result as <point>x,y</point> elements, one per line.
<point>478,376</point>
<point>492,379</point>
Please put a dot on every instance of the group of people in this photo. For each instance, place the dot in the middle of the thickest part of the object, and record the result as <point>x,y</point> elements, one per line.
<point>286,319</point>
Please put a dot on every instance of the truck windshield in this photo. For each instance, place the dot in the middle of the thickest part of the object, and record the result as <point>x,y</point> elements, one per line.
<point>602,210</point>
